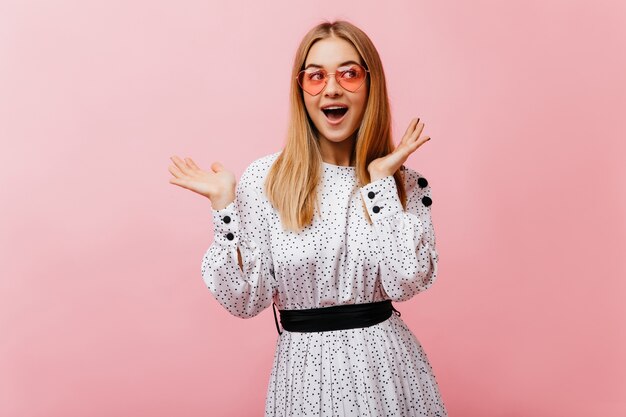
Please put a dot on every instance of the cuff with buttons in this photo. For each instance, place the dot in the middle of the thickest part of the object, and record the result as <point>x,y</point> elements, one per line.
<point>381,198</point>
<point>422,183</point>
<point>226,224</point>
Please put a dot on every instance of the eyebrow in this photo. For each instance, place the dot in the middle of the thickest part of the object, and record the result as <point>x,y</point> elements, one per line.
<point>342,64</point>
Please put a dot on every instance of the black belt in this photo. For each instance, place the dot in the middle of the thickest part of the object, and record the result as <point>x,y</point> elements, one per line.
<point>346,316</point>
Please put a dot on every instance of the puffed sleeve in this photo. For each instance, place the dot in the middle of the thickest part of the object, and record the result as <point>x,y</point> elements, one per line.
<point>407,254</point>
<point>243,223</point>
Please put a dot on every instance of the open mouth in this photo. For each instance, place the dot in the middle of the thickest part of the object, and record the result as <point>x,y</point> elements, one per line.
<point>335,114</point>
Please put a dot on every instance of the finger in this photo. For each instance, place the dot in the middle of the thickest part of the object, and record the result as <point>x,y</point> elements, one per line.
<point>191,163</point>
<point>412,125</point>
<point>182,165</point>
<point>217,166</point>
<point>417,132</point>
<point>177,181</point>
<point>180,182</point>
<point>419,143</point>
<point>410,129</point>
<point>175,171</point>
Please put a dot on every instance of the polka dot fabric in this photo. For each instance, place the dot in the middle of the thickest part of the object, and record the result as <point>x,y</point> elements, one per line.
<point>340,258</point>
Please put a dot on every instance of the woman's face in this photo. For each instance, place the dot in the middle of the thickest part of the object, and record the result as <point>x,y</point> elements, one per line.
<point>329,54</point>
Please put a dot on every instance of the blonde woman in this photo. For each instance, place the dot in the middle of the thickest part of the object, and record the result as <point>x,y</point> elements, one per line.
<point>330,230</point>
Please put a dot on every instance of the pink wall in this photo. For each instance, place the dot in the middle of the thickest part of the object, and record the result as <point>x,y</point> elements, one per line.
<point>103,310</point>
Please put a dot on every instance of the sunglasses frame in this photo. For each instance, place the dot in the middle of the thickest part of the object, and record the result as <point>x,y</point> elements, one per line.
<point>327,76</point>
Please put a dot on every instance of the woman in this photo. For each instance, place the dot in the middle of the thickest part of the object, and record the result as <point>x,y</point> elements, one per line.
<point>331,230</point>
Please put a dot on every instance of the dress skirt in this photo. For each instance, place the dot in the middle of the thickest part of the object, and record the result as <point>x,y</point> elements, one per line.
<point>381,370</point>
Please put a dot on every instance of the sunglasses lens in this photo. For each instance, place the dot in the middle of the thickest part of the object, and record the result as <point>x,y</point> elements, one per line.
<point>351,77</point>
<point>312,81</point>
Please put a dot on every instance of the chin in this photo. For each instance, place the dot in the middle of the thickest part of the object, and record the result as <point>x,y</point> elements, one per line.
<point>335,136</point>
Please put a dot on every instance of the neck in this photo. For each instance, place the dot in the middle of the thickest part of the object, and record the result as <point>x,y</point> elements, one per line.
<point>337,153</point>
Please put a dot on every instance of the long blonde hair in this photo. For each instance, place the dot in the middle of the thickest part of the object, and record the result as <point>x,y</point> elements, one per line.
<point>292,181</point>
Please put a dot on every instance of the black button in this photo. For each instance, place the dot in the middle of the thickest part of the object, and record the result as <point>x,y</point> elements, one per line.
<point>226,219</point>
<point>371,194</point>
<point>427,201</point>
<point>421,181</point>
<point>230,236</point>
<point>375,209</point>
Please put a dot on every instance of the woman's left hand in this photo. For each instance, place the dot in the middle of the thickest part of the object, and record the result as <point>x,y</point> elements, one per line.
<point>388,164</point>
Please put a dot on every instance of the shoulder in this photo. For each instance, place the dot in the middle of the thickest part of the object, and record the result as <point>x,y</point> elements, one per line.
<point>262,164</point>
<point>417,186</point>
<point>255,173</point>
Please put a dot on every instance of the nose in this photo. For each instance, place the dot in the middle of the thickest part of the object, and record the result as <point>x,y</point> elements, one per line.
<point>332,87</point>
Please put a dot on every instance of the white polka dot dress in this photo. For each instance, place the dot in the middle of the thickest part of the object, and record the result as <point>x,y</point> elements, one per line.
<point>340,258</point>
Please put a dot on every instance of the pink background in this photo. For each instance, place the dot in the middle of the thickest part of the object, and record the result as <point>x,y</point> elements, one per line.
<point>103,310</point>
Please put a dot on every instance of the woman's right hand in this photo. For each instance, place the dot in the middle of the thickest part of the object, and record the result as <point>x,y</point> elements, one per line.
<point>218,185</point>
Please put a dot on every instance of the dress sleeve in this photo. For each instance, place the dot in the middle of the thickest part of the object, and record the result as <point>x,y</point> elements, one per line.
<point>244,224</point>
<point>407,254</point>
